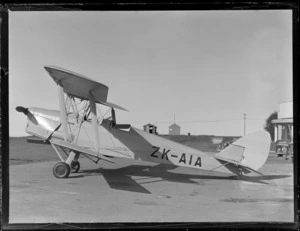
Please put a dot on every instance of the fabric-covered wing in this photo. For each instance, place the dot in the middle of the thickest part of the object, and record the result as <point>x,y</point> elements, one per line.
<point>80,86</point>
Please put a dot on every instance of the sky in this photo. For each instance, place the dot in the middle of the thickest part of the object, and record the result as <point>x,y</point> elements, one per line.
<point>202,69</point>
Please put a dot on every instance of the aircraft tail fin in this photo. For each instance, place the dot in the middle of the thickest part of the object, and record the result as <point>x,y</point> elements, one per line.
<point>248,153</point>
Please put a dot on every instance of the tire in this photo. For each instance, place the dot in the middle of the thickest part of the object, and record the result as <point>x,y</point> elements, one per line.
<point>61,170</point>
<point>75,166</point>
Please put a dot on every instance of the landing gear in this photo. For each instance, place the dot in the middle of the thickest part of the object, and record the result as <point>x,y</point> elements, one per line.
<point>61,170</point>
<point>65,167</point>
<point>75,166</point>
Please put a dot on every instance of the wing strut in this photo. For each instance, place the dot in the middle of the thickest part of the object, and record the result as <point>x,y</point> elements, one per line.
<point>63,112</point>
<point>94,122</point>
<point>113,115</point>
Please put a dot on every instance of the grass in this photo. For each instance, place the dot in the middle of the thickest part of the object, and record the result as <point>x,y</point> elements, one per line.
<point>20,151</point>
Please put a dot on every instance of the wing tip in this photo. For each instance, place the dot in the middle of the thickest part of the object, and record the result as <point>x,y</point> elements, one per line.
<point>49,67</point>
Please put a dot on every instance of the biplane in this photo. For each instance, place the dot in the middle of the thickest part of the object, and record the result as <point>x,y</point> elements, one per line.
<point>79,129</point>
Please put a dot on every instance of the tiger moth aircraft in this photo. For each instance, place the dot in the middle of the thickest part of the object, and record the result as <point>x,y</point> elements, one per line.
<point>77,129</point>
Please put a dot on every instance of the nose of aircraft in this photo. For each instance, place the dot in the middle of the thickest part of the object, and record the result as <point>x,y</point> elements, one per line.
<point>41,122</point>
<point>26,112</point>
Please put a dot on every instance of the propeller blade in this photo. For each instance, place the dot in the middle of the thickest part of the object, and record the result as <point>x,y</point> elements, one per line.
<point>27,113</point>
<point>22,109</point>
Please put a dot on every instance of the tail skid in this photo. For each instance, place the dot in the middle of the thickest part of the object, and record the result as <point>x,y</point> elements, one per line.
<point>247,154</point>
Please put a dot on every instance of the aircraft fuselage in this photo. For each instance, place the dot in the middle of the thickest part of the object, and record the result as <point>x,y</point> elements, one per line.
<point>133,143</point>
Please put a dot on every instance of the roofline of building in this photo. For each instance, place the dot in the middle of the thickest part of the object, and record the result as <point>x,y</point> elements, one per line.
<point>282,121</point>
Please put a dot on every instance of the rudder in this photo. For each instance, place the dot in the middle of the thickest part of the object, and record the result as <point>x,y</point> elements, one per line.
<point>249,151</point>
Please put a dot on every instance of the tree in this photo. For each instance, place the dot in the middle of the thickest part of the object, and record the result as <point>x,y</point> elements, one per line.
<point>269,127</point>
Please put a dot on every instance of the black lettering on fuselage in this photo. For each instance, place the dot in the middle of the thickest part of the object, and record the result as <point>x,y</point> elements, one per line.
<point>191,157</point>
<point>182,158</point>
<point>155,151</point>
<point>165,154</point>
<point>198,162</point>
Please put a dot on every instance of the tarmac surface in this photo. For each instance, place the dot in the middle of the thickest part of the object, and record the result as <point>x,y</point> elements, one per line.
<point>130,191</point>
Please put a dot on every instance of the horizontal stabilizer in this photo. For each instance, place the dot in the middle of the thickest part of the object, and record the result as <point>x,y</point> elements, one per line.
<point>249,152</point>
<point>252,170</point>
<point>236,163</point>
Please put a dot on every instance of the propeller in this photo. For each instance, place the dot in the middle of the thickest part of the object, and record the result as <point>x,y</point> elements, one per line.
<point>27,113</point>
<point>22,109</point>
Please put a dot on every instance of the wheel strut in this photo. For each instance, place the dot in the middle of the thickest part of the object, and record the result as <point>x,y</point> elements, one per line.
<point>75,166</point>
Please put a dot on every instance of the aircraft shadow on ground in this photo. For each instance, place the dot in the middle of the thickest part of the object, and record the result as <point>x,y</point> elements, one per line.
<point>122,178</point>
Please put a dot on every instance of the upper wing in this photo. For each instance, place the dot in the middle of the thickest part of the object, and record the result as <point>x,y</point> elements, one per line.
<point>80,86</point>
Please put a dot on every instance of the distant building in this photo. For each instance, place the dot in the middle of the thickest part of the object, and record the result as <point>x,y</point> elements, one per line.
<point>174,129</point>
<point>150,128</point>
<point>284,129</point>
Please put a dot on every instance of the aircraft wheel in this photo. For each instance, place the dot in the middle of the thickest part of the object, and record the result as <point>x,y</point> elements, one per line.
<point>75,166</point>
<point>61,170</point>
